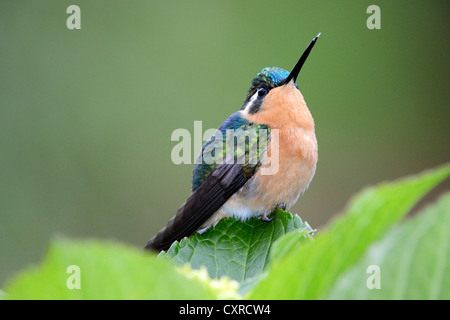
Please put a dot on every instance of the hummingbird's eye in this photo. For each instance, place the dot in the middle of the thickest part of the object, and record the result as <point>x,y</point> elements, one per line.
<point>262,92</point>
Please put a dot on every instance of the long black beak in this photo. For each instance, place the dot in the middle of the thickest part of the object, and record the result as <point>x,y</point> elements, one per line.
<point>295,71</point>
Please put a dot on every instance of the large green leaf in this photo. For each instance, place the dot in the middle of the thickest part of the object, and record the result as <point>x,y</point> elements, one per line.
<point>412,261</point>
<point>238,250</point>
<point>414,258</point>
<point>107,271</point>
<point>311,270</point>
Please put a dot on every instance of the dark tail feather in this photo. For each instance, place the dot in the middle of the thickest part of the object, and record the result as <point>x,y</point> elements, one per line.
<point>218,187</point>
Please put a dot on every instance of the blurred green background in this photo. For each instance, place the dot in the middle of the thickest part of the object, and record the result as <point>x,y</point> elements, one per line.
<point>86,115</point>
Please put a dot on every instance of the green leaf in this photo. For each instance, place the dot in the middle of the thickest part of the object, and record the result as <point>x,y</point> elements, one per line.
<point>106,271</point>
<point>414,258</point>
<point>413,261</point>
<point>289,242</point>
<point>238,250</point>
<point>311,270</point>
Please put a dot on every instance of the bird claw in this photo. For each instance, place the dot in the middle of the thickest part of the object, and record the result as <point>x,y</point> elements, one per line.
<point>282,206</point>
<point>266,219</point>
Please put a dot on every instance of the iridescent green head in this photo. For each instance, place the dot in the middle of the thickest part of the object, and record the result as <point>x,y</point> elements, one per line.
<point>268,78</point>
<point>272,77</point>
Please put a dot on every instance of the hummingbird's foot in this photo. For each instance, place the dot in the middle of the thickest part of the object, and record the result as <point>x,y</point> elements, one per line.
<point>282,206</point>
<point>202,230</point>
<point>266,218</point>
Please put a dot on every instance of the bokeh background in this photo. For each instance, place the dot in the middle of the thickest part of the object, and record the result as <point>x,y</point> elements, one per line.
<point>86,115</point>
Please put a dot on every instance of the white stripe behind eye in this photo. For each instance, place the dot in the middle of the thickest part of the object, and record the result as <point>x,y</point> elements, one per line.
<point>251,102</point>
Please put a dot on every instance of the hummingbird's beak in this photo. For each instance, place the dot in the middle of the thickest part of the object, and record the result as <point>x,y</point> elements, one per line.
<point>295,71</point>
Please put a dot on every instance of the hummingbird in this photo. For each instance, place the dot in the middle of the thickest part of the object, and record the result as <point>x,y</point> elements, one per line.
<point>240,188</point>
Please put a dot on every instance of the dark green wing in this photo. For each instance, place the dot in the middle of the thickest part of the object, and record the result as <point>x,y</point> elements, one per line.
<point>205,163</point>
<point>213,184</point>
<point>218,187</point>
